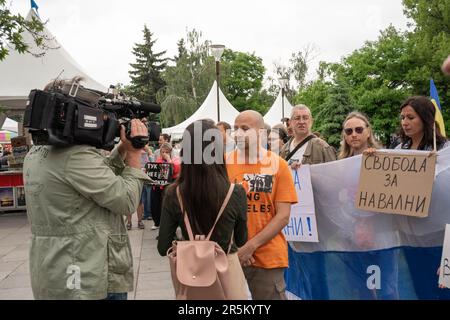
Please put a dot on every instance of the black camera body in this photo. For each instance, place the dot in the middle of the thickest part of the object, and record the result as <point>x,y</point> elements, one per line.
<point>83,116</point>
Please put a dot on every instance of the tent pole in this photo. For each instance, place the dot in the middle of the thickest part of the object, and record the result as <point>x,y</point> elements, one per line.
<point>217,80</point>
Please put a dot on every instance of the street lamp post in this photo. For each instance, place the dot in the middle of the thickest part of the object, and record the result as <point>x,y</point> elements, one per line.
<point>283,82</point>
<point>217,51</point>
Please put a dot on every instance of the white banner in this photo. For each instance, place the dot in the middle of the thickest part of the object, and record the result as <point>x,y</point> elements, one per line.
<point>302,224</point>
<point>444,272</point>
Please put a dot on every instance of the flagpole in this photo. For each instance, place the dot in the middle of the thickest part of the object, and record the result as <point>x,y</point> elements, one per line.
<point>434,136</point>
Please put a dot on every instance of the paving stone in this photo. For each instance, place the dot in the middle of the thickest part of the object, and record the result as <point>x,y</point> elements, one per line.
<point>152,273</point>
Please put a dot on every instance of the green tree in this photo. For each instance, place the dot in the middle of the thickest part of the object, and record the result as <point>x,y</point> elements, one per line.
<point>430,45</point>
<point>295,73</point>
<point>313,95</point>
<point>376,77</point>
<point>188,81</point>
<point>382,73</point>
<point>299,65</point>
<point>146,73</point>
<point>182,51</point>
<point>11,28</point>
<point>332,113</point>
<point>243,75</point>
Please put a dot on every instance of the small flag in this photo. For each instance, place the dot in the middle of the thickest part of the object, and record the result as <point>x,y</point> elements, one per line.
<point>437,105</point>
<point>34,6</point>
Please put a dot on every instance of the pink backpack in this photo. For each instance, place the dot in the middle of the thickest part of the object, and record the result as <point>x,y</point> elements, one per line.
<point>199,267</point>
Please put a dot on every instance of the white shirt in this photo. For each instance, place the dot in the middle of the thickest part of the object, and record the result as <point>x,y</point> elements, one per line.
<point>298,156</point>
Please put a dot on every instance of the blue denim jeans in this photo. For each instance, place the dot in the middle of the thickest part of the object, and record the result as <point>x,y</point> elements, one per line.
<point>146,200</point>
<point>117,296</point>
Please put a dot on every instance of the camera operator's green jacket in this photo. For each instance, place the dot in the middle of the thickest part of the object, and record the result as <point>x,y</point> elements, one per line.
<point>76,201</point>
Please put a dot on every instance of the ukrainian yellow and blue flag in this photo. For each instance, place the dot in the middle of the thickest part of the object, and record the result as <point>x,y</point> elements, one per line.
<point>437,105</point>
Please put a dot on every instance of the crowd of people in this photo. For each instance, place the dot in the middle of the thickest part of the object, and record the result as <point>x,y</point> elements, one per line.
<point>86,238</point>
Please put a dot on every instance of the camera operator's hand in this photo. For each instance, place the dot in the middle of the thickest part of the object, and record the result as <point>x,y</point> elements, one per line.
<point>130,154</point>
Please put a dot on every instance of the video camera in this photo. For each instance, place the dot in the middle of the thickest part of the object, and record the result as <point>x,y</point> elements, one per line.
<point>66,114</point>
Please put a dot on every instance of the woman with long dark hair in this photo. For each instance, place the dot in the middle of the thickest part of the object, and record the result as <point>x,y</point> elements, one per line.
<point>417,116</point>
<point>417,120</point>
<point>203,184</point>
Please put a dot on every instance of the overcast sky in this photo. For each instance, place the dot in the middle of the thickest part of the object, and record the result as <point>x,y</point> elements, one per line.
<point>100,34</point>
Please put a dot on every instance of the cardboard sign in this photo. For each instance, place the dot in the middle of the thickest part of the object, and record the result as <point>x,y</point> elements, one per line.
<point>444,271</point>
<point>302,224</point>
<point>160,173</point>
<point>396,183</point>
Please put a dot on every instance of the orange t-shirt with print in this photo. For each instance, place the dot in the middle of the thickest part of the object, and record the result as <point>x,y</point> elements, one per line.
<point>266,182</point>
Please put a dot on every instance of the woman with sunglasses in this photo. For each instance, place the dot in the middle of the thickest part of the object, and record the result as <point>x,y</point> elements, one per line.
<point>357,136</point>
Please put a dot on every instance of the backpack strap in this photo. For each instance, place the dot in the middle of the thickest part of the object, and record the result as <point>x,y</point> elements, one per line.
<point>186,219</point>
<point>224,204</point>
<point>231,242</point>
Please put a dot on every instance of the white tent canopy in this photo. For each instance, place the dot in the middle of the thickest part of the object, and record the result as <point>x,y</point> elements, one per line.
<point>208,110</point>
<point>20,73</point>
<point>274,115</point>
<point>10,125</point>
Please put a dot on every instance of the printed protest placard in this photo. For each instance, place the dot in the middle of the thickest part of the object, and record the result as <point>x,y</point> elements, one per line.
<point>160,173</point>
<point>444,271</point>
<point>302,224</point>
<point>396,183</point>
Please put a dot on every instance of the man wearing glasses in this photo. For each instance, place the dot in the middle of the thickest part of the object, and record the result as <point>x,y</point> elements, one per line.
<point>304,147</point>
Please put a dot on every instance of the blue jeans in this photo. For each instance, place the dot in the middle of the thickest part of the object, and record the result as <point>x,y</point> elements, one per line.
<point>146,200</point>
<point>117,296</point>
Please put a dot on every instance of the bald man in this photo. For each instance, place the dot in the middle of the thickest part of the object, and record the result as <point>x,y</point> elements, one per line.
<point>270,193</point>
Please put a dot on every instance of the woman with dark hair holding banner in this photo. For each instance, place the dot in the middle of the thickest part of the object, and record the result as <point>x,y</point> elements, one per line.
<point>417,117</point>
<point>203,187</point>
<point>417,120</point>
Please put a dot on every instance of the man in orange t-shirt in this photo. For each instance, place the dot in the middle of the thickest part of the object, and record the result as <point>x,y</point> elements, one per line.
<point>270,192</point>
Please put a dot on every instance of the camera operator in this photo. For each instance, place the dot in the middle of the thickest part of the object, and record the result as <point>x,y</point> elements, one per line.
<point>76,203</point>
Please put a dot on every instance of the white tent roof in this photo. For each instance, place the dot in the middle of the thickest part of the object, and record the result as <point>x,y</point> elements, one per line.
<point>20,73</point>
<point>208,110</point>
<point>10,125</point>
<point>274,115</point>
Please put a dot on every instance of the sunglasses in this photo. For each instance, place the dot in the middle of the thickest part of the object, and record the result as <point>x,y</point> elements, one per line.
<point>349,131</point>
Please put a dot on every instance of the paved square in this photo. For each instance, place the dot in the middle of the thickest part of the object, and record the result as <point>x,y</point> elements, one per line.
<point>152,273</point>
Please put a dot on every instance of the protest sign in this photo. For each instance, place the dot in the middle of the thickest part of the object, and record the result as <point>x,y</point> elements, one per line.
<point>302,224</point>
<point>160,173</point>
<point>396,183</point>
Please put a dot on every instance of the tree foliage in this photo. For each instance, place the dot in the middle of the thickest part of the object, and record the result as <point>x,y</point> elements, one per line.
<point>375,75</point>
<point>382,73</point>
<point>11,28</point>
<point>242,80</point>
<point>331,114</point>
<point>190,79</point>
<point>430,45</point>
<point>146,73</point>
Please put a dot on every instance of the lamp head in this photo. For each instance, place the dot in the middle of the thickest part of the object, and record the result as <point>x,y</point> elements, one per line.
<point>283,82</point>
<point>217,51</point>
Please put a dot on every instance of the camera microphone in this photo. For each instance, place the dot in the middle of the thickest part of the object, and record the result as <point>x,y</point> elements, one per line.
<point>143,106</point>
<point>147,106</point>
